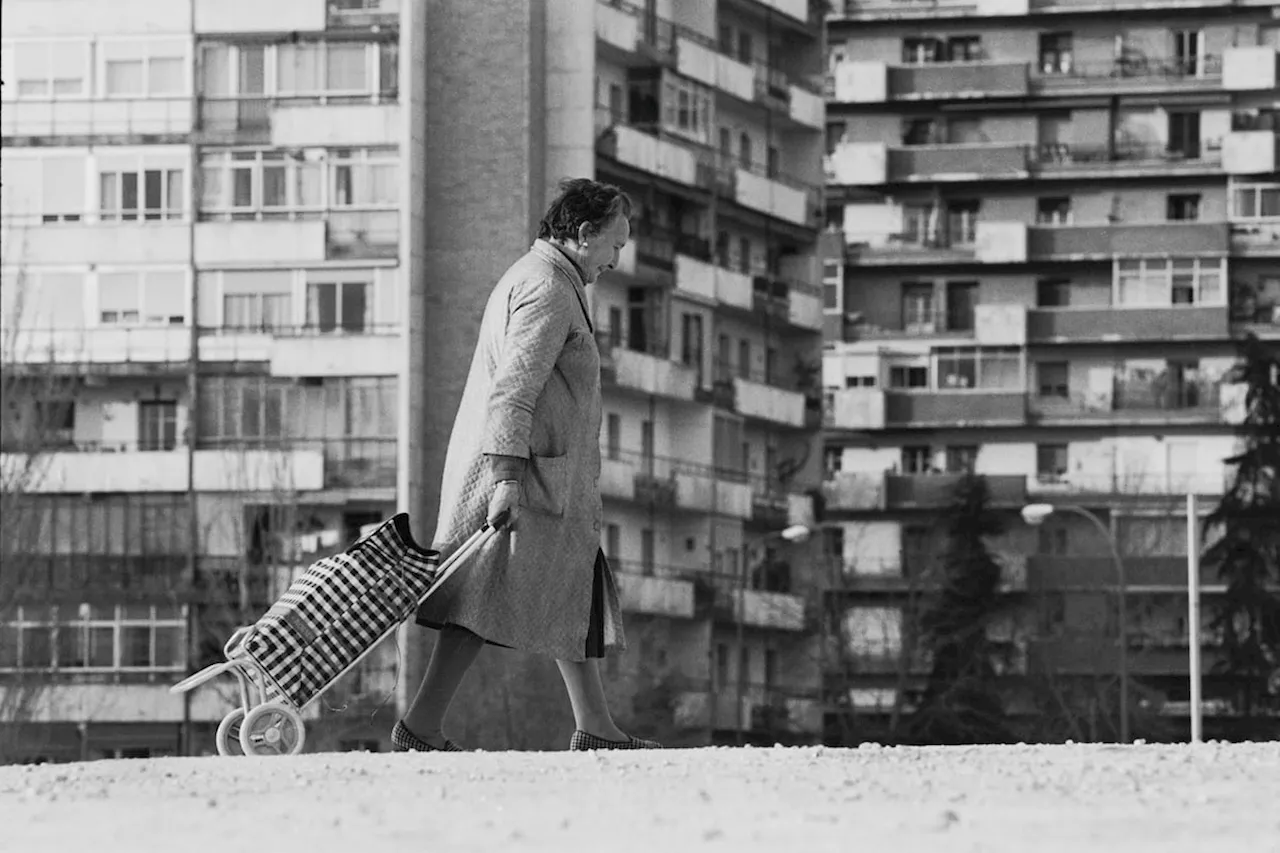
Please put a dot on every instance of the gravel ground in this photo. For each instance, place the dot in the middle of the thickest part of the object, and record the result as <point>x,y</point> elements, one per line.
<point>1029,799</point>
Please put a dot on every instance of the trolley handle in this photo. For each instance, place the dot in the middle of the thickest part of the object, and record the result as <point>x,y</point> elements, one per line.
<point>499,521</point>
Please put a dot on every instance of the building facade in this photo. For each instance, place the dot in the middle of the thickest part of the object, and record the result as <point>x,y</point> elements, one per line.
<point>1047,222</point>
<point>243,247</point>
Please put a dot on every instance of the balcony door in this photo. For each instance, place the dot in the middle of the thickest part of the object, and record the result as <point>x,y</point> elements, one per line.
<point>157,425</point>
<point>961,297</point>
<point>1184,134</point>
<point>691,343</point>
<point>338,306</point>
<point>917,308</point>
<point>1188,52</point>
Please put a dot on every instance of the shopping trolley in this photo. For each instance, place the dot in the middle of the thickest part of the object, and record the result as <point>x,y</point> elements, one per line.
<point>327,622</point>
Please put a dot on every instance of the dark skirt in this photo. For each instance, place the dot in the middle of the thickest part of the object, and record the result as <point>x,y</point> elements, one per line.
<point>595,627</point>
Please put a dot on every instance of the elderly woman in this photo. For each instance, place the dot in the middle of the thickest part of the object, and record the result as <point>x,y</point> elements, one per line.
<point>526,441</point>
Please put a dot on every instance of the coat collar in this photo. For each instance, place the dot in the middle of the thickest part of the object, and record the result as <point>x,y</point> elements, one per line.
<point>552,253</point>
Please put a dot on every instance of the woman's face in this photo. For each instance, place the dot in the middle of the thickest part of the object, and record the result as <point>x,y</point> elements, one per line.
<point>599,252</point>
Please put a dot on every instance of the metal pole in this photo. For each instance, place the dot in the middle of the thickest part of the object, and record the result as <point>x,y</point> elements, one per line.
<point>1122,616</point>
<point>742,652</point>
<point>1193,616</point>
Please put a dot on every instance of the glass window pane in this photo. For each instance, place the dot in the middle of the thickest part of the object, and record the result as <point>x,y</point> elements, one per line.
<point>213,186</point>
<point>242,188</point>
<point>124,77</point>
<point>73,650</point>
<point>274,186</point>
<point>253,70</point>
<point>102,646</point>
<point>322,307</point>
<point>37,647</point>
<point>108,193</point>
<point>299,69</point>
<point>135,646</point>
<point>388,69</point>
<point>165,75</point>
<point>347,68</point>
<point>129,195</point>
<point>215,70</point>
<point>174,192</point>
<point>169,648</point>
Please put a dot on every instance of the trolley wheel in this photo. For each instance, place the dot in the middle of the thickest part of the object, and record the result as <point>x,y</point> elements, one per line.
<point>272,729</point>
<point>228,737</point>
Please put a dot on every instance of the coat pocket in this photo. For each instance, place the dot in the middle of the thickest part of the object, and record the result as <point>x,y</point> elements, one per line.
<point>545,483</point>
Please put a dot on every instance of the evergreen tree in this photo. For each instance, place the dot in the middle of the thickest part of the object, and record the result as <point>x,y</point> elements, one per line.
<point>961,702</point>
<point>1247,554</point>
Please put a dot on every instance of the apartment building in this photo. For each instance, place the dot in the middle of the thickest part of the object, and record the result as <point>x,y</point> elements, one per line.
<point>202,303</point>
<point>217,214</point>
<point>1047,222</point>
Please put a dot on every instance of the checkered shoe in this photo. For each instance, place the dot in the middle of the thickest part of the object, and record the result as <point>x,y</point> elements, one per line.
<point>582,741</point>
<point>403,740</point>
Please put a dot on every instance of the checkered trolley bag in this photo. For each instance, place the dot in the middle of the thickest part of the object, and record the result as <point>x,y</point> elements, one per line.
<point>328,620</point>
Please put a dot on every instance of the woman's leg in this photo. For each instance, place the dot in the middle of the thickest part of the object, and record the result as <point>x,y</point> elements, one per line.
<point>456,649</point>
<point>586,694</point>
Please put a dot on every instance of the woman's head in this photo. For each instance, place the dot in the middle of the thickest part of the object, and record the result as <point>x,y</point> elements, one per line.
<point>590,220</point>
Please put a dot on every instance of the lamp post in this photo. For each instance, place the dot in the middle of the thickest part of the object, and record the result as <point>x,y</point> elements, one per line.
<point>794,534</point>
<point>1034,515</point>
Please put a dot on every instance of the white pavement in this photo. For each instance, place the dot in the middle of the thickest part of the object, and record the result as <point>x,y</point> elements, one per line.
<point>1028,799</point>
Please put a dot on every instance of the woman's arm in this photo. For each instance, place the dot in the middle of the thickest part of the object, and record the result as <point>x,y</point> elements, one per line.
<point>538,319</point>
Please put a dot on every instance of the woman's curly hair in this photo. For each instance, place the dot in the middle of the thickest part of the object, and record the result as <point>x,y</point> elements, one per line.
<point>582,200</point>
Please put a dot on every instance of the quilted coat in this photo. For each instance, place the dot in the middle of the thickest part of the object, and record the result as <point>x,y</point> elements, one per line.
<point>533,391</point>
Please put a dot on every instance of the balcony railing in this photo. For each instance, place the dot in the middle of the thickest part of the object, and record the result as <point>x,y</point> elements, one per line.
<point>1064,71</point>
<point>1107,323</point>
<point>101,348</point>
<point>364,13</point>
<point>1117,484</point>
<point>1191,402</point>
<point>349,462</point>
<point>1053,157</point>
<point>1054,242</point>
<point>929,491</point>
<point>86,118</point>
<point>250,115</point>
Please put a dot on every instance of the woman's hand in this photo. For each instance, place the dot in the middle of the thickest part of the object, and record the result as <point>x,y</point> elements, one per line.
<point>506,498</point>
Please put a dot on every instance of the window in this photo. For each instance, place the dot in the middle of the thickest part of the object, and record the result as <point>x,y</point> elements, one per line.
<point>615,329</point>
<point>961,459</point>
<point>1053,293</point>
<point>746,50</point>
<point>613,541</point>
<point>832,463</point>
<point>1055,53</point>
<point>1052,379</point>
<point>136,637</point>
<point>744,255</point>
<point>835,135</point>
<point>917,459</point>
<point>338,306</point>
<point>646,550</point>
<point>686,108</point>
<point>961,297</point>
<point>832,286</point>
<point>279,184</point>
<point>148,194</point>
<point>258,300</point>
<point>1051,462</point>
<point>859,382</point>
<point>50,70</point>
<point>1053,210</point>
<point>1183,207</point>
<point>923,131</point>
<point>157,425</point>
<point>919,225</point>
<point>1162,282</point>
<point>744,359</point>
<point>1188,51</point>
<point>63,190</point>
<point>143,68</point>
<point>962,221</point>
<point>917,307</point>
<point>1255,201</point>
<point>613,435</point>
<point>1184,134</point>
<point>744,151</point>
<point>905,376</point>
<point>922,50</point>
<point>991,368</point>
<point>150,298</point>
<point>241,409</point>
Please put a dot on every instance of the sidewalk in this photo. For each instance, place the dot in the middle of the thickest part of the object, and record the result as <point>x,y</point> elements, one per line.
<point>1213,797</point>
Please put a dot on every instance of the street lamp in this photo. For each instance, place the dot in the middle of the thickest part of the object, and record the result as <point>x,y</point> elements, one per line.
<point>1034,515</point>
<point>793,535</point>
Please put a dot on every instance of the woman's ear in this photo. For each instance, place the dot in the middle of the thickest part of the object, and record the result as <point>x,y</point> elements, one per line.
<point>584,232</point>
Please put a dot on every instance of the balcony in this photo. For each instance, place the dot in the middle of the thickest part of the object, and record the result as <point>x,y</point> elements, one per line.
<point>71,578</point>
<point>646,372</point>
<point>934,491</point>
<point>1099,573</point>
<point>1104,242</point>
<point>313,120</point>
<point>756,608</point>
<point>786,302</point>
<point>910,10</point>
<point>1062,160</point>
<point>654,590</point>
<point>82,121</point>
<point>228,16</point>
<point>123,351</point>
<point>786,199</point>
<point>131,469</point>
<point>956,408</point>
<point>1134,74</point>
<point>364,14</point>
<point>1119,323</point>
<point>91,241</point>
<point>305,350</point>
<point>675,160</point>
<point>756,399</point>
<point>959,80</point>
<point>1105,487</point>
<point>957,162</point>
<point>855,409</point>
<point>854,491</point>
<point>1250,68</point>
<point>303,240</point>
<point>1251,152</point>
<point>714,283</point>
<point>1165,400</point>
